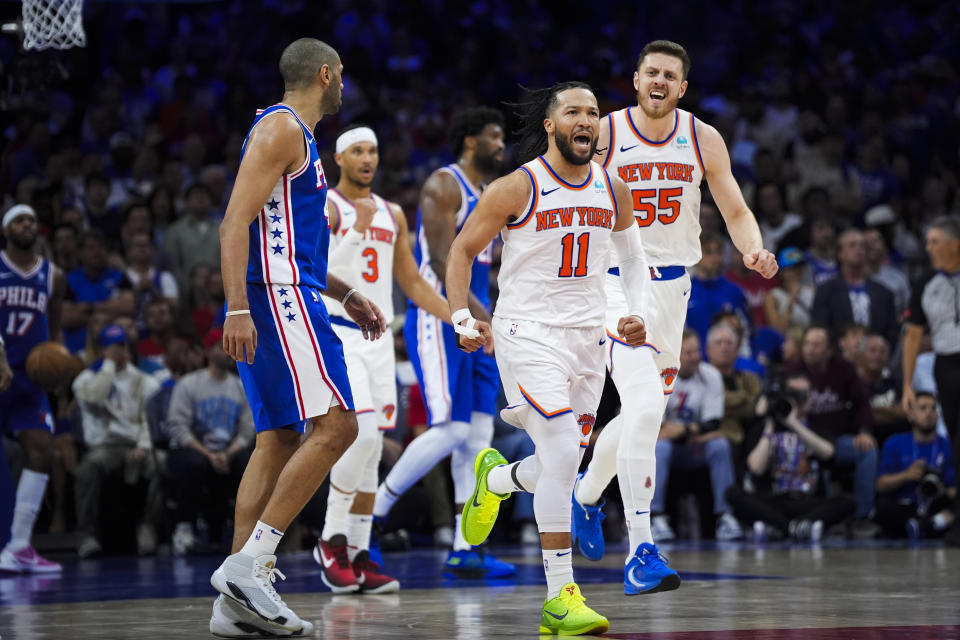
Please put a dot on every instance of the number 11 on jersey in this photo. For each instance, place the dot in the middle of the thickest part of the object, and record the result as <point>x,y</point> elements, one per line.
<point>566,260</point>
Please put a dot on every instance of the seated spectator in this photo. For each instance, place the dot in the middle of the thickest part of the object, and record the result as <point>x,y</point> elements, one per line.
<point>206,298</point>
<point>211,430</point>
<point>159,331</point>
<point>93,287</point>
<point>774,219</point>
<point>149,283</point>
<point>710,292</point>
<point>690,438</point>
<point>882,389</point>
<point>917,481</point>
<point>740,388</point>
<point>839,411</point>
<point>195,237</point>
<point>852,297</point>
<point>112,395</point>
<point>790,303</point>
<point>66,247</point>
<point>99,214</point>
<point>883,271</point>
<point>785,464</point>
<point>850,342</point>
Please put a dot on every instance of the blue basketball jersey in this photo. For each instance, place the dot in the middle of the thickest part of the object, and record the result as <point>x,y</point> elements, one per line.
<point>480,277</point>
<point>291,235</point>
<point>24,296</point>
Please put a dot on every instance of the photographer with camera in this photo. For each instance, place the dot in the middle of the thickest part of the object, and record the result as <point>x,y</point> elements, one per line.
<point>785,464</point>
<point>917,481</point>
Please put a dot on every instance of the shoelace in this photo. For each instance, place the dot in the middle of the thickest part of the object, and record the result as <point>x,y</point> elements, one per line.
<point>653,560</point>
<point>267,576</point>
<point>487,511</point>
<point>575,602</point>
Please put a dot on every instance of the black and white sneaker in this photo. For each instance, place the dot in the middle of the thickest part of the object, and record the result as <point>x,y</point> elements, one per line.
<point>248,581</point>
<point>232,620</point>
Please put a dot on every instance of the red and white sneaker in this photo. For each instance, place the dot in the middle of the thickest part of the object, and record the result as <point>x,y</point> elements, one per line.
<point>333,559</point>
<point>26,560</point>
<point>369,576</point>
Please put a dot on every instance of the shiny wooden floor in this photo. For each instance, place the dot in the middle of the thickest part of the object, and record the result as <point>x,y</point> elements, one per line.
<point>734,591</point>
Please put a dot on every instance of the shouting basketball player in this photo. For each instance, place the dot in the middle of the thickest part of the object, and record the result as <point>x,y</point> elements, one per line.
<point>369,246</point>
<point>459,389</point>
<point>274,241</point>
<point>662,153</point>
<point>31,293</point>
<point>560,214</point>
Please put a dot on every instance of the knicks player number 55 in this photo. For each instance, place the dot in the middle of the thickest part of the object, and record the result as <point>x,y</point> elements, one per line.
<point>647,212</point>
<point>567,268</point>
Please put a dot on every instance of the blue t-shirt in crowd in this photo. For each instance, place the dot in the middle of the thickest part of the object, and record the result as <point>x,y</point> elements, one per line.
<point>80,288</point>
<point>899,452</point>
<point>709,297</point>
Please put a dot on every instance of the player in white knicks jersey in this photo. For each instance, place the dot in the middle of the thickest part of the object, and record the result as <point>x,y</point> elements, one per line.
<point>560,215</point>
<point>662,153</point>
<point>369,246</point>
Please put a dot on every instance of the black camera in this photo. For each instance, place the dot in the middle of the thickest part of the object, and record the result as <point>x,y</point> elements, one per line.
<point>930,486</point>
<point>783,402</point>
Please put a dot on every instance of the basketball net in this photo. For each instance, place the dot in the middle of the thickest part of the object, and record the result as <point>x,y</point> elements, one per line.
<point>53,23</point>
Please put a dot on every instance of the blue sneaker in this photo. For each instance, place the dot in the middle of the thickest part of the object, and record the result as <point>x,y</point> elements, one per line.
<point>474,564</point>
<point>647,572</point>
<point>588,526</point>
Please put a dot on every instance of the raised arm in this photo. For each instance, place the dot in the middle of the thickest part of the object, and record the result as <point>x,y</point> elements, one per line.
<point>276,146</point>
<point>740,221</point>
<point>501,202</point>
<point>408,275</point>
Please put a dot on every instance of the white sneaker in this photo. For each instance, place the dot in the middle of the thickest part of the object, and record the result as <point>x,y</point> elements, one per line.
<point>816,531</point>
<point>249,581</point>
<point>660,529</point>
<point>728,528</point>
<point>183,539</point>
<point>232,620</point>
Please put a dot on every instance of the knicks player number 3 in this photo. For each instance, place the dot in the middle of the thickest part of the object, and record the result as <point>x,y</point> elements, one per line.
<point>566,260</point>
<point>668,207</point>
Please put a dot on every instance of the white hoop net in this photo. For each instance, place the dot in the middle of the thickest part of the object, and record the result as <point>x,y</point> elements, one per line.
<point>53,23</point>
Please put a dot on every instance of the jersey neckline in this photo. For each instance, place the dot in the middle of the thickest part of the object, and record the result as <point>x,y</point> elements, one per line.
<point>575,187</point>
<point>654,143</point>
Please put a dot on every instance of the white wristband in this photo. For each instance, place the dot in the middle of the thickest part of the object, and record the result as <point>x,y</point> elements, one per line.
<point>238,312</point>
<point>466,330</point>
<point>347,296</point>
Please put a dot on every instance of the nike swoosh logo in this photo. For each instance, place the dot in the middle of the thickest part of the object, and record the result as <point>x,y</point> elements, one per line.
<point>624,149</point>
<point>590,544</point>
<point>553,615</point>
<point>327,562</point>
<point>685,292</point>
<point>475,503</point>
<point>640,513</point>
<point>544,192</point>
<point>563,554</point>
<point>633,580</point>
<point>602,342</point>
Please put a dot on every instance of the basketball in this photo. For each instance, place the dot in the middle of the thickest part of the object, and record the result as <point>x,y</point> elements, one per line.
<point>50,365</point>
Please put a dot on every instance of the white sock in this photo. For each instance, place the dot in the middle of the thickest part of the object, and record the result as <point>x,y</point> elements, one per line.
<point>638,529</point>
<point>338,507</point>
<point>358,535</point>
<point>459,542</point>
<point>418,458</point>
<point>263,541</point>
<point>558,567</point>
<point>501,478</point>
<point>30,492</point>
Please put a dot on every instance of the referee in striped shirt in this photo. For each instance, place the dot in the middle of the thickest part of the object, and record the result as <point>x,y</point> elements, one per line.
<point>935,304</point>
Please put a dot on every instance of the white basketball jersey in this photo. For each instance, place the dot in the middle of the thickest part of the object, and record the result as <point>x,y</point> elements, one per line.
<point>556,255</point>
<point>375,281</point>
<point>664,178</point>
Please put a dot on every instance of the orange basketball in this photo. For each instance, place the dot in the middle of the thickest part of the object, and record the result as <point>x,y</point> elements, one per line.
<point>50,365</point>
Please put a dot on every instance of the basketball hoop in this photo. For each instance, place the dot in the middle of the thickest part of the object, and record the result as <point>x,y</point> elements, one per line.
<point>53,23</point>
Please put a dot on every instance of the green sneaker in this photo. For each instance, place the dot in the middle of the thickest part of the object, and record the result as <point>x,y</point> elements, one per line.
<point>480,511</point>
<point>568,615</point>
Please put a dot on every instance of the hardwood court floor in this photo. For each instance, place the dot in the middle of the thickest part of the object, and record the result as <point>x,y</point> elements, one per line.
<point>732,591</point>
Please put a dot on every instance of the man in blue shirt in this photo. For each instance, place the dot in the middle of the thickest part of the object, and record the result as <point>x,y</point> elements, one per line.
<point>916,480</point>
<point>712,293</point>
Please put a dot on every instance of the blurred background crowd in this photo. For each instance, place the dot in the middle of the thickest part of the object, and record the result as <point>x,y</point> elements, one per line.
<point>843,124</point>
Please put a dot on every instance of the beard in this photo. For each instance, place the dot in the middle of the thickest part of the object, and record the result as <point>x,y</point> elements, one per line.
<point>927,430</point>
<point>666,108</point>
<point>24,242</point>
<point>565,147</point>
<point>488,164</point>
<point>331,100</point>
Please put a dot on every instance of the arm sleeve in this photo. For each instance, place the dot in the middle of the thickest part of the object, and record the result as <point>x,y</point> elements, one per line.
<point>345,257</point>
<point>634,270</point>
<point>180,416</point>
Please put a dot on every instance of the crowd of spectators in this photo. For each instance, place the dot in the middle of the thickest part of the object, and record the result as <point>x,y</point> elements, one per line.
<point>842,125</point>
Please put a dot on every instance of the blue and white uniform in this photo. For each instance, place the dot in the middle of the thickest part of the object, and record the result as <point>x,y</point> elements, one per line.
<point>454,384</point>
<point>24,323</point>
<point>298,371</point>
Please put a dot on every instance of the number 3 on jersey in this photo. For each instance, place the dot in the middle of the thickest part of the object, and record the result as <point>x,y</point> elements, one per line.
<point>567,268</point>
<point>647,212</point>
<point>372,272</point>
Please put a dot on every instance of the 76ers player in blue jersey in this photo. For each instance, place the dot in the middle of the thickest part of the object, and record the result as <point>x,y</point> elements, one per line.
<point>31,292</point>
<point>274,241</point>
<point>459,389</point>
